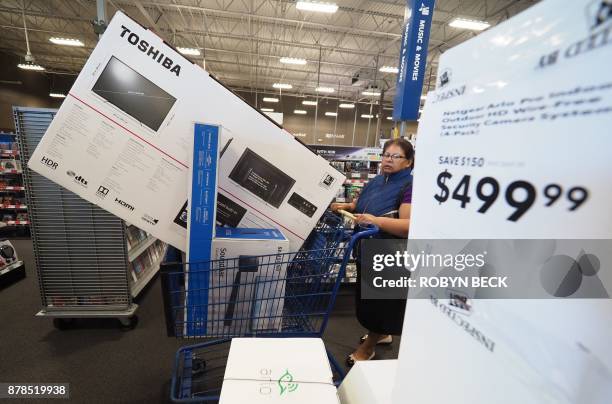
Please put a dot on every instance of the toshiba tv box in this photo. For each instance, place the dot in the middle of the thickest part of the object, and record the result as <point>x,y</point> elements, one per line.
<point>126,128</point>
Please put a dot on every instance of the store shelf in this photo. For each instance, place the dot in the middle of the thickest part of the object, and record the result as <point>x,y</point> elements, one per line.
<point>9,189</point>
<point>9,153</point>
<point>355,182</point>
<point>140,248</point>
<point>17,222</point>
<point>22,207</point>
<point>11,172</point>
<point>150,272</point>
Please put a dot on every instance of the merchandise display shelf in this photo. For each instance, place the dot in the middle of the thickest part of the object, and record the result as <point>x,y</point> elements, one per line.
<point>358,171</point>
<point>150,272</point>
<point>17,222</point>
<point>12,189</point>
<point>140,248</point>
<point>21,207</point>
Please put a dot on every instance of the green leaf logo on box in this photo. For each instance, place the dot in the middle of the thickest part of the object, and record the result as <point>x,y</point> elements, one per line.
<point>286,384</point>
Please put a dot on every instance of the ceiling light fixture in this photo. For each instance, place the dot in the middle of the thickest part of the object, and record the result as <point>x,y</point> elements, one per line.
<point>347,106</point>
<point>316,6</point>
<point>189,51</point>
<point>307,102</point>
<point>464,23</point>
<point>270,99</point>
<point>282,86</point>
<point>390,118</point>
<point>299,112</point>
<point>30,66</point>
<point>29,58</point>
<point>293,61</point>
<point>267,110</point>
<point>368,116</point>
<point>57,95</point>
<point>389,69</point>
<point>371,93</point>
<point>331,114</point>
<point>66,41</point>
<point>324,89</point>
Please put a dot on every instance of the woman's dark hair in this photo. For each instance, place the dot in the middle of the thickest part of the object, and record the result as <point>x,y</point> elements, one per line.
<point>405,145</point>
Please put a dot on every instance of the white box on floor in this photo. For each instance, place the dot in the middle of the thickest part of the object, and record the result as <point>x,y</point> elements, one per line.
<point>122,138</point>
<point>294,370</point>
<point>247,289</point>
<point>369,382</point>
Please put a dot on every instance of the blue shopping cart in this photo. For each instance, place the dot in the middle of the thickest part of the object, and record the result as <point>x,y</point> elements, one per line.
<point>280,295</point>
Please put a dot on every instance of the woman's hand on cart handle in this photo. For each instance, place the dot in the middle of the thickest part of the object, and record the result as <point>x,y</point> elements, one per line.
<point>366,218</point>
<point>344,206</point>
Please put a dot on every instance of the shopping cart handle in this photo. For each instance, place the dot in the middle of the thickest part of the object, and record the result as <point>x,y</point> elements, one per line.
<point>370,230</point>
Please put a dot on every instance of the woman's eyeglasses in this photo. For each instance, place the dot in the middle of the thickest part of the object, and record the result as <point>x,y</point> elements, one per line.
<point>393,157</point>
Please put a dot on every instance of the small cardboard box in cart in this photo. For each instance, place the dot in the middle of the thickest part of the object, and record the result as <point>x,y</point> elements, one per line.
<point>243,290</point>
<point>278,370</point>
<point>247,285</point>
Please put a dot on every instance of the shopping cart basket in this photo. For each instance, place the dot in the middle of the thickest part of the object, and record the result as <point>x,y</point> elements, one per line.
<point>330,232</point>
<point>279,295</point>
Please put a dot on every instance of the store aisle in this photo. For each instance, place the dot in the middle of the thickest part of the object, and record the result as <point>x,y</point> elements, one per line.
<point>101,362</point>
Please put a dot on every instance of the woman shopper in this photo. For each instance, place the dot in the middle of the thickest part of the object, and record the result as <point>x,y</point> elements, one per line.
<point>385,202</point>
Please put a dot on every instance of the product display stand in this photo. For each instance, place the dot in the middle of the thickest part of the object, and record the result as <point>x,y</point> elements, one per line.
<point>84,263</point>
<point>13,209</point>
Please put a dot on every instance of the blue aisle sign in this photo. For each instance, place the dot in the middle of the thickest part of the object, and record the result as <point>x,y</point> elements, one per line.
<point>413,58</point>
<point>201,225</point>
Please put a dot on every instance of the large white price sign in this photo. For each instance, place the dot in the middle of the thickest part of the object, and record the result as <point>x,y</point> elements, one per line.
<point>515,144</point>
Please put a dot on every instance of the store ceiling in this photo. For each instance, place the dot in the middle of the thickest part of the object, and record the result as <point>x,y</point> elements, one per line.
<point>243,40</point>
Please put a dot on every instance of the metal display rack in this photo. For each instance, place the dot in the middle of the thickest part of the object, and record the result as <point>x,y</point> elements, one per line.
<point>82,257</point>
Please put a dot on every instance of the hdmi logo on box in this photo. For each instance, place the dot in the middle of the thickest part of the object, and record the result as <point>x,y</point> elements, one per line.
<point>124,204</point>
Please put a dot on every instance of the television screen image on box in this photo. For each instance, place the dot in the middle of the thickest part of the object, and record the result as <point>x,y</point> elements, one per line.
<point>133,93</point>
<point>260,177</point>
<point>229,213</point>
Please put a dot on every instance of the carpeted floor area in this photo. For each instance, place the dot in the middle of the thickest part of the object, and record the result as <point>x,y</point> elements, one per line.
<point>104,364</point>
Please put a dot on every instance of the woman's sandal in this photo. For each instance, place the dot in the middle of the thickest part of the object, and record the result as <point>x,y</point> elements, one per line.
<point>385,341</point>
<point>350,360</point>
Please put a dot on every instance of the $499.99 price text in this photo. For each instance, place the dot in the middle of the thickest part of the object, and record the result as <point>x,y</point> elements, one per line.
<point>520,195</point>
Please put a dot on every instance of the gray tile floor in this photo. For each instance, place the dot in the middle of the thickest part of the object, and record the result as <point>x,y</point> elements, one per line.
<point>104,364</point>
